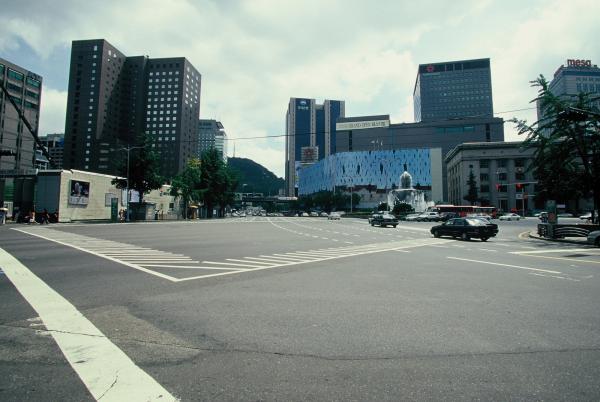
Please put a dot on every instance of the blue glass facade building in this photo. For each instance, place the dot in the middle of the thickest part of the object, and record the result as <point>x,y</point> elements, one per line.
<point>310,126</point>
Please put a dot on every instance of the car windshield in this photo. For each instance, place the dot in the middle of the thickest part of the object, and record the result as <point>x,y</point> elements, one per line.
<point>475,222</point>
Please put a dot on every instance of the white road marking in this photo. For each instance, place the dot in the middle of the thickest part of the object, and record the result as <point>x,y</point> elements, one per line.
<point>506,265</point>
<point>98,254</point>
<point>562,250</point>
<point>105,370</point>
<point>487,249</point>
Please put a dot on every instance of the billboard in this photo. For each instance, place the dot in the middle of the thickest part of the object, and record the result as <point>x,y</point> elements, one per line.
<point>79,192</point>
<point>358,125</point>
<point>309,155</point>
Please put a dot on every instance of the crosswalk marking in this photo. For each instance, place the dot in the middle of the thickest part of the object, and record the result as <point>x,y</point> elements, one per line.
<point>151,261</point>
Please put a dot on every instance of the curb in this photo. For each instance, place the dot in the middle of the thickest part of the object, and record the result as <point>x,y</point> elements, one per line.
<point>533,235</point>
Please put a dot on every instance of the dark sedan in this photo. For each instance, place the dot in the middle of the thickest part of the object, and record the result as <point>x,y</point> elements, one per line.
<point>384,220</point>
<point>465,228</point>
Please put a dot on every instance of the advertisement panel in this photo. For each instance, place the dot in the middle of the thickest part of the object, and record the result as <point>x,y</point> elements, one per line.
<point>309,155</point>
<point>358,125</point>
<point>79,193</point>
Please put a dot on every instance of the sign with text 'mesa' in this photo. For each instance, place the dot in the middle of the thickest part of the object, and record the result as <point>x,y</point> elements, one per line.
<point>359,125</point>
<point>579,63</point>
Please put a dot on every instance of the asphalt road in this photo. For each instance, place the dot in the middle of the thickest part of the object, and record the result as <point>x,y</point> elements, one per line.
<point>294,309</point>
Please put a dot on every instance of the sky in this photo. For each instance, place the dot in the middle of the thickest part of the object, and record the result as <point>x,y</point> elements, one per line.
<point>255,55</point>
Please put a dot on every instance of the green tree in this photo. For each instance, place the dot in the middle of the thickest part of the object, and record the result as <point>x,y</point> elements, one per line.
<point>472,195</point>
<point>186,185</point>
<point>566,142</point>
<point>402,209</point>
<point>217,182</point>
<point>383,206</point>
<point>144,168</point>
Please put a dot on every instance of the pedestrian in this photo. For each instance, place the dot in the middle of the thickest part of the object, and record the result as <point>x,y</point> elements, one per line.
<point>45,218</point>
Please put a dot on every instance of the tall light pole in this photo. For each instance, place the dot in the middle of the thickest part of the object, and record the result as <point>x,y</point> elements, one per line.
<point>128,149</point>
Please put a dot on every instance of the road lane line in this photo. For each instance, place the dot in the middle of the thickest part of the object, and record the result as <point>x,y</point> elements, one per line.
<point>562,250</point>
<point>192,267</point>
<point>106,370</point>
<point>561,258</point>
<point>249,266</point>
<point>506,265</point>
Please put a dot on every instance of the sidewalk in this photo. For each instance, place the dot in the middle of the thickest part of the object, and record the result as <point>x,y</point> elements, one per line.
<point>571,240</point>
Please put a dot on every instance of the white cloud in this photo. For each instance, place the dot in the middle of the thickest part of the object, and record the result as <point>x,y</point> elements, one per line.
<point>255,55</point>
<point>53,111</point>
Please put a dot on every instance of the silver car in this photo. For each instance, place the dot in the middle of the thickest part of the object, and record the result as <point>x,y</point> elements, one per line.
<point>594,238</point>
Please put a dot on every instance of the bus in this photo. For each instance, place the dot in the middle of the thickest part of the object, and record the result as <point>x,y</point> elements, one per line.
<point>464,210</point>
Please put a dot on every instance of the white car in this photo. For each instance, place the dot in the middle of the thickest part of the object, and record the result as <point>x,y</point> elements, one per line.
<point>412,217</point>
<point>334,215</point>
<point>510,217</point>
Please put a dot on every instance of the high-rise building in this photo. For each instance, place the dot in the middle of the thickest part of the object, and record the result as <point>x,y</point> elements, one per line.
<point>211,134</point>
<point>114,98</point>
<point>17,144</point>
<point>55,145</point>
<point>453,89</point>
<point>573,78</point>
<point>310,135</point>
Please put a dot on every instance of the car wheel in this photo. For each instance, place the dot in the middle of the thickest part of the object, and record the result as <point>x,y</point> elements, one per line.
<point>598,242</point>
<point>484,239</point>
<point>394,226</point>
<point>372,224</point>
<point>436,233</point>
<point>465,237</point>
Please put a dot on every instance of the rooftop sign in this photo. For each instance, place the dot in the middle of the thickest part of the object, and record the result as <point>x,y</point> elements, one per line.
<point>579,63</point>
<point>358,125</point>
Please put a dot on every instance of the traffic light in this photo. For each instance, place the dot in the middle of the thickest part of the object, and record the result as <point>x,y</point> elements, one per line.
<point>519,186</point>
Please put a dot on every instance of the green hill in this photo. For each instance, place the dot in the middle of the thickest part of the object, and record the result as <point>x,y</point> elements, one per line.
<point>257,178</point>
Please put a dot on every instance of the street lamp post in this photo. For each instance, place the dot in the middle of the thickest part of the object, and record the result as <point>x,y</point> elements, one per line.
<point>128,149</point>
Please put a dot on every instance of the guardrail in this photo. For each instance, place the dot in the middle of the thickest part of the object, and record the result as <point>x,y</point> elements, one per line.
<point>560,231</point>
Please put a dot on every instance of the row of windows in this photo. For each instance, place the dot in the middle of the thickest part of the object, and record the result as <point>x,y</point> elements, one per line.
<point>588,88</point>
<point>163,73</point>
<point>454,130</point>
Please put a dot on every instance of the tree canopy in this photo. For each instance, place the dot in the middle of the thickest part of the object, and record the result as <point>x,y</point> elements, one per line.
<point>144,167</point>
<point>187,184</point>
<point>217,181</point>
<point>472,193</point>
<point>566,140</point>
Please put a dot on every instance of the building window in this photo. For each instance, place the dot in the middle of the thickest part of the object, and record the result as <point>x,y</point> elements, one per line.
<point>484,163</point>
<point>502,176</point>
<point>485,188</point>
<point>484,177</point>
<point>501,163</point>
<point>15,75</point>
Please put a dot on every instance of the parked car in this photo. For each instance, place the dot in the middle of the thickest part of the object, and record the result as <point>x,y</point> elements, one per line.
<point>594,238</point>
<point>565,215</point>
<point>334,216</point>
<point>303,214</point>
<point>314,214</point>
<point>510,217</point>
<point>444,216</point>
<point>323,214</point>
<point>411,217</point>
<point>586,217</point>
<point>429,217</point>
<point>384,220</point>
<point>465,228</point>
